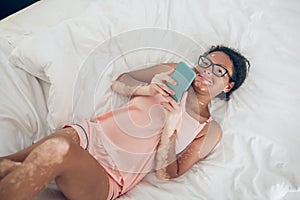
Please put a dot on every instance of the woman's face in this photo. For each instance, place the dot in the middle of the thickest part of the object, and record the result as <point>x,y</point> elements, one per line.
<point>207,82</point>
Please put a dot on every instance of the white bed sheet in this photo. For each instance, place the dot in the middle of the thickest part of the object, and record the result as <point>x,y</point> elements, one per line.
<point>257,158</point>
<point>38,17</point>
<point>23,107</point>
<point>23,97</point>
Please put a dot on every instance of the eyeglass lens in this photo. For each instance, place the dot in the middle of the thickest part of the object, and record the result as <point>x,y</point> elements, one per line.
<point>218,70</point>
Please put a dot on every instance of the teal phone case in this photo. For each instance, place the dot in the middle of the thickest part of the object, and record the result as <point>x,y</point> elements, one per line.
<point>184,76</point>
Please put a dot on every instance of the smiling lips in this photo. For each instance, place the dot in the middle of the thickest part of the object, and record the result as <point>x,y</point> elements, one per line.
<point>203,80</point>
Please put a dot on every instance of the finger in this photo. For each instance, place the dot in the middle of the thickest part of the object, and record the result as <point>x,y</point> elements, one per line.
<point>160,90</point>
<point>172,102</point>
<point>167,106</point>
<point>168,77</point>
<point>170,71</point>
<point>165,88</point>
<point>170,80</point>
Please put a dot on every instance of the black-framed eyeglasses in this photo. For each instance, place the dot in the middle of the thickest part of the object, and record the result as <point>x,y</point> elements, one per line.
<point>217,69</point>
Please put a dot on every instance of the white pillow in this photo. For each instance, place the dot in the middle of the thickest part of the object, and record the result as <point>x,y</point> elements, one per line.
<point>55,57</point>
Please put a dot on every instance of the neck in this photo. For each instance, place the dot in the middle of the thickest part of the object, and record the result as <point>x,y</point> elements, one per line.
<point>198,104</point>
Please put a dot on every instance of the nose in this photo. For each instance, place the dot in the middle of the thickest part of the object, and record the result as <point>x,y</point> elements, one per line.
<point>204,71</point>
<point>208,71</point>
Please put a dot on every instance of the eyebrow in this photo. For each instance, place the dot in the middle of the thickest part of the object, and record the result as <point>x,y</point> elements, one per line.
<point>217,63</point>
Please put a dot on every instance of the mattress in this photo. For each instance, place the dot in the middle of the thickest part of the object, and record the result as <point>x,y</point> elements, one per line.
<point>92,42</point>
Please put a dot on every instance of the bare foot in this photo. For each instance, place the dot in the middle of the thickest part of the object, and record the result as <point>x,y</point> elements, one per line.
<point>7,166</point>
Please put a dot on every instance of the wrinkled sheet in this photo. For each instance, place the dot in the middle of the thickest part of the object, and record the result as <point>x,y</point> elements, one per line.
<point>257,157</point>
<point>22,106</point>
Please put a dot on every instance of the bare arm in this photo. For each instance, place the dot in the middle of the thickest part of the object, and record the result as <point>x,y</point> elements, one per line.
<point>146,75</point>
<point>166,163</point>
<point>200,148</point>
<point>136,82</point>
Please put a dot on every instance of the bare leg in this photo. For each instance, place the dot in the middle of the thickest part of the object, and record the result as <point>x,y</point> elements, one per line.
<point>77,173</point>
<point>11,162</point>
<point>7,166</point>
<point>21,155</point>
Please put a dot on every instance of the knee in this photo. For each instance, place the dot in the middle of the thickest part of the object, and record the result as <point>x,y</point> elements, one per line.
<point>52,151</point>
<point>6,166</point>
<point>69,133</point>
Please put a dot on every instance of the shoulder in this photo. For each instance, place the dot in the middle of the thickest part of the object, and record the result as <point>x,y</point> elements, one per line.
<point>200,147</point>
<point>209,139</point>
<point>214,126</point>
<point>212,130</point>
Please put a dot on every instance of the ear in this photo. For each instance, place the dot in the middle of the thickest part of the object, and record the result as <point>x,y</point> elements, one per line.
<point>229,87</point>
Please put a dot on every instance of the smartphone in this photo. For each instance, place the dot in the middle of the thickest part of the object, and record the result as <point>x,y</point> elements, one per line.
<point>184,76</point>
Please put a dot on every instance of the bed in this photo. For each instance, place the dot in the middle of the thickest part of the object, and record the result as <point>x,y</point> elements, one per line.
<point>57,63</point>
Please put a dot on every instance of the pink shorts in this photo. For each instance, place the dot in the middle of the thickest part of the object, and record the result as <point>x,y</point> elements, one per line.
<point>87,132</point>
<point>114,189</point>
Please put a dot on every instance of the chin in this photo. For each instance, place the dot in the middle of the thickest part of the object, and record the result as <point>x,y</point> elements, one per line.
<point>198,87</point>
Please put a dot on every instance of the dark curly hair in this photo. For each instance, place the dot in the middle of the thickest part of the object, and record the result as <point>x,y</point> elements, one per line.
<point>241,66</point>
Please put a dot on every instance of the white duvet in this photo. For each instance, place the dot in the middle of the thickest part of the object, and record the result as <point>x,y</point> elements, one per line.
<point>66,63</point>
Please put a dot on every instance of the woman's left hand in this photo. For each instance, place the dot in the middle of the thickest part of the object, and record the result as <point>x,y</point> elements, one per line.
<point>174,113</point>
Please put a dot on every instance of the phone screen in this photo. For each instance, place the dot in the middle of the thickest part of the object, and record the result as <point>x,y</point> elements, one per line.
<point>184,76</point>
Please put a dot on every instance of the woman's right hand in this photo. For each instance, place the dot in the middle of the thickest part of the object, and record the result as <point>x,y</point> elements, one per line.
<point>159,84</point>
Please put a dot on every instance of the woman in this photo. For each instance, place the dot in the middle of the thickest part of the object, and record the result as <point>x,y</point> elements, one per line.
<point>104,158</point>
